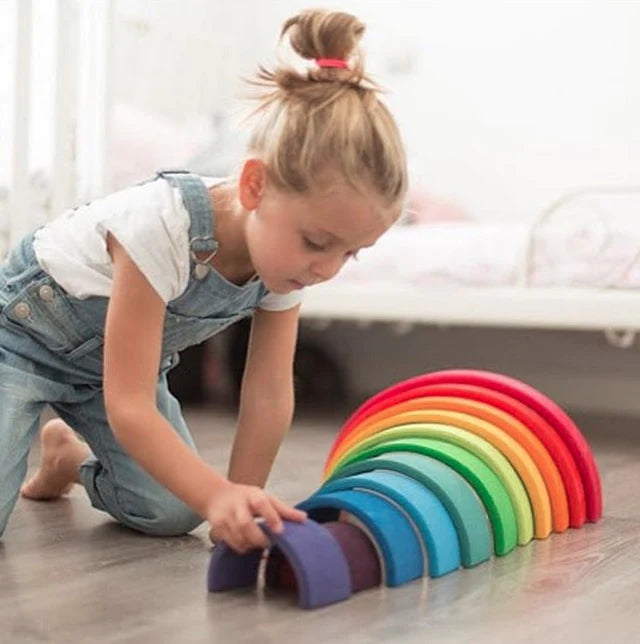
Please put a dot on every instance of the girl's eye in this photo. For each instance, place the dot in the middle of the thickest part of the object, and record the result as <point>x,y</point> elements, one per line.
<point>312,245</point>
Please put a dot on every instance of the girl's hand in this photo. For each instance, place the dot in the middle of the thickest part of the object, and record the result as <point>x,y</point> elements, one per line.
<point>232,511</point>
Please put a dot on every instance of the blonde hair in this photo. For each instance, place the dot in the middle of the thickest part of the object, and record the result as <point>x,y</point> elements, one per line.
<point>327,118</point>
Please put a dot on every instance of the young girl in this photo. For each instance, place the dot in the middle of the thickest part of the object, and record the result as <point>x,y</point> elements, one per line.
<point>95,305</point>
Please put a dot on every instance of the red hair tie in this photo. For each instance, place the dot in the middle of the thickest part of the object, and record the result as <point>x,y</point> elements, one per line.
<point>338,63</point>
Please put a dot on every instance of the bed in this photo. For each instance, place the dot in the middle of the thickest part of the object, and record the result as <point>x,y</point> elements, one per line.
<point>553,302</point>
<point>576,267</point>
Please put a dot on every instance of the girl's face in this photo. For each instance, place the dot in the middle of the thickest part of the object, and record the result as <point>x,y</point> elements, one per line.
<point>296,240</point>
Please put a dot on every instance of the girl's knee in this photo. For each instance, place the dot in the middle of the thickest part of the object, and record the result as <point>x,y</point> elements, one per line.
<point>170,518</point>
<point>179,521</point>
<point>146,507</point>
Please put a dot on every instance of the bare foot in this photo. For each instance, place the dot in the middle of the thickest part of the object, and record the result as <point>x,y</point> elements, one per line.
<point>61,454</point>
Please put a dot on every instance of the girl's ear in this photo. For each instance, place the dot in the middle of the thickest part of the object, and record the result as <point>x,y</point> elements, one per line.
<point>252,184</point>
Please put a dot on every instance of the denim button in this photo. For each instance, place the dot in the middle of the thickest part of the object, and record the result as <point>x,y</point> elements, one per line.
<point>22,310</point>
<point>46,293</point>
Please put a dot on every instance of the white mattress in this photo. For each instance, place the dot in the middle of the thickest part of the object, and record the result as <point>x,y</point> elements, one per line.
<point>489,274</point>
<point>496,254</point>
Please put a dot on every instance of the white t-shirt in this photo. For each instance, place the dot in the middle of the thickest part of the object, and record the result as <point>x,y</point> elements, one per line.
<point>152,224</point>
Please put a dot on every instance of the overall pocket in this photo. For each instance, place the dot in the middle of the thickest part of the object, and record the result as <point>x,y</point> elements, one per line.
<point>40,310</point>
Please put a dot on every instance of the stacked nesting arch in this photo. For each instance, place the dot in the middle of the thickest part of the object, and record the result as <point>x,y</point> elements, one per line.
<point>436,472</point>
<point>546,421</point>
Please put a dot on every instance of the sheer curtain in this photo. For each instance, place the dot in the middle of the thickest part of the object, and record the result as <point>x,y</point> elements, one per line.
<point>55,111</point>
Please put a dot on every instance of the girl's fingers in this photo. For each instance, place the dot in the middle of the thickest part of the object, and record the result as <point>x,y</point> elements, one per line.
<point>256,537</point>
<point>262,505</point>
<point>238,536</point>
<point>242,533</point>
<point>247,531</point>
<point>287,512</point>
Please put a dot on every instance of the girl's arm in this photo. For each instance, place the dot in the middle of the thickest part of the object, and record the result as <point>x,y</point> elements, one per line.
<point>133,341</point>
<point>266,397</point>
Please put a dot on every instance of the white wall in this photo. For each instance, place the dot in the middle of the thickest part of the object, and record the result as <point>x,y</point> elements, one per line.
<point>503,105</point>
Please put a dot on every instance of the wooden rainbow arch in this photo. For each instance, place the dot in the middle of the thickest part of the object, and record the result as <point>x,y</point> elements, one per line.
<point>431,474</point>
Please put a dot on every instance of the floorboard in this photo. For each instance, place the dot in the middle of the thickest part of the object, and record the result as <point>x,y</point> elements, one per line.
<point>68,573</point>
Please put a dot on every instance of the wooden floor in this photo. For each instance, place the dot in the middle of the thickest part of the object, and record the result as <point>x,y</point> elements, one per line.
<point>69,574</point>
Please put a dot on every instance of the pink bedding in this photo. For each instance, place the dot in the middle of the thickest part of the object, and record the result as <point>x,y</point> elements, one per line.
<point>496,254</point>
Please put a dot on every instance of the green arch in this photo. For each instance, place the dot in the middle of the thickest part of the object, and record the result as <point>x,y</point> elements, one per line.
<point>484,450</point>
<point>479,475</point>
<point>461,502</point>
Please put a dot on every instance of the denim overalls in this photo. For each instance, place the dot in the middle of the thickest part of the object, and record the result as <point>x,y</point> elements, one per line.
<point>51,352</point>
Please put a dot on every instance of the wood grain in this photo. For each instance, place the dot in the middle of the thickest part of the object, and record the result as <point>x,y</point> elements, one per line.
<point>68,573</point>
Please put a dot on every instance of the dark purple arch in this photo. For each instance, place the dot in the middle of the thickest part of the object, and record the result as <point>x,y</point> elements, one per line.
<point>320,567</point>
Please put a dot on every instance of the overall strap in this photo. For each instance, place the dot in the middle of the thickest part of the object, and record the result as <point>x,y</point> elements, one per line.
<point>197,201</point>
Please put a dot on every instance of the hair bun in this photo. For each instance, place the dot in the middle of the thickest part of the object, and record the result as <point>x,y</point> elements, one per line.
<point>324,34</point>
<point>327,118</point>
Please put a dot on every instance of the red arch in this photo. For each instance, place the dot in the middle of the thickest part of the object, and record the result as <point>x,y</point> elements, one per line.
<point>546,420</point>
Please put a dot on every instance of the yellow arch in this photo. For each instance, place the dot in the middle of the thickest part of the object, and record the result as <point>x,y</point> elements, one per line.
<point>516,455</point>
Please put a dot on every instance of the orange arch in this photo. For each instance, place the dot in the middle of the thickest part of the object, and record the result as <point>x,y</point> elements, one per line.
<point>507,423</point>
<point>521,461</point>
